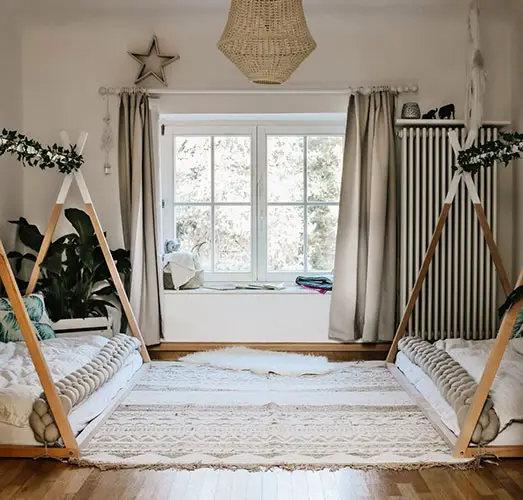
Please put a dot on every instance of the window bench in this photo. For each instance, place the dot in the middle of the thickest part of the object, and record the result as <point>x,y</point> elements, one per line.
<point>203,315</point>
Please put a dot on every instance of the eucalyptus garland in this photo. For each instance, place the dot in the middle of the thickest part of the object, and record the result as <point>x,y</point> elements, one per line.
<point>31,153</point>
<point>505,149</point>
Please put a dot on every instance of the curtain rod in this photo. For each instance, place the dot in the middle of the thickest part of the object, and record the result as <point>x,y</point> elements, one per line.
<point>104,91</point>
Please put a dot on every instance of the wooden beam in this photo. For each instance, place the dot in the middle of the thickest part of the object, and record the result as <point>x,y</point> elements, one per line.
<point>126,305</point>
<point>511,451</point>
<point>419,282</point>
<point>489,373</point>
<point>33,346</point>
<point>37,452</point>
<point>53,221</point>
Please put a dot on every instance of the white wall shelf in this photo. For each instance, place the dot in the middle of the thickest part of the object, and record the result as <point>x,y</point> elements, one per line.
<point>445,123</point>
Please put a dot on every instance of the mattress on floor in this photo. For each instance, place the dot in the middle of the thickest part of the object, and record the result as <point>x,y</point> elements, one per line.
<point>14,367</point>
<point>512,435</point>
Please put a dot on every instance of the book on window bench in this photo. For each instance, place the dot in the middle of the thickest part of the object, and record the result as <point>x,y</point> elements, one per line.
<point>248,286</point>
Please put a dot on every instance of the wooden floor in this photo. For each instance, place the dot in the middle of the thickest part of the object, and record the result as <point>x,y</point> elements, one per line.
<point>51,480</point>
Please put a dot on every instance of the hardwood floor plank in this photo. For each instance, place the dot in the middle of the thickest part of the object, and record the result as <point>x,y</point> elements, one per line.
<point>442,485</point>
<point>52,480</point>
<point>224,486</point>
<point>269,486</point>
<point>300,489</point>
<point>210,480</point>
<point>181,479</point>
<point>411,477</point>
<point>314,484</point>
<point>194,485</point>
<point>239,485</point>
<point>254,486</point>
<point>88,486</point>
<point>476,480</point>
<point>329,485</point>
<point>284,484</point>
<point>157,485</point>
<point>352,484</point>
<point>507,482</point>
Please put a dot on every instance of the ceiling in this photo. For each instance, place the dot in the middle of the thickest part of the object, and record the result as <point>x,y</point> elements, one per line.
<point>27,6</point>
<point>63,9</point>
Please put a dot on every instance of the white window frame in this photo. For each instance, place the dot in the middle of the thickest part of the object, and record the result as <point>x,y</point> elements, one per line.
<point>258,128</point>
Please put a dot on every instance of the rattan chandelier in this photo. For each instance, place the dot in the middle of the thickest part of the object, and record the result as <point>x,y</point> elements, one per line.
<point>266,39</point>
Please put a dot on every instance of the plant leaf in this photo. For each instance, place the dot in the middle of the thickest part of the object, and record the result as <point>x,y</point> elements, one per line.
<point>29,234</point>
<point>81,223</point>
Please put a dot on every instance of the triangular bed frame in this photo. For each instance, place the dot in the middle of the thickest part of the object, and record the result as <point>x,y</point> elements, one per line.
<point>461,445</point>
<point>71,447</point>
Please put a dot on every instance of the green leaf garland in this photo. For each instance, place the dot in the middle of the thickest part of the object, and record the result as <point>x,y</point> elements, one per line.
<point>505,149</point>
<point>32,154</point>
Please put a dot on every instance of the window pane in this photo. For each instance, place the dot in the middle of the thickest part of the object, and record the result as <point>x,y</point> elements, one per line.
<point>193,226</point>
<point>285,160</point>
<point>232,236</point>
<point>232,168</point>
<point>193,169</point>
<point>322,222</point>
<point>285,238</point>
<point>324,166</point>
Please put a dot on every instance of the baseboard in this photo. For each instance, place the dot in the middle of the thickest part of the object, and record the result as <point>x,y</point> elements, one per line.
<point>274,346</point>
<point>334,351</point>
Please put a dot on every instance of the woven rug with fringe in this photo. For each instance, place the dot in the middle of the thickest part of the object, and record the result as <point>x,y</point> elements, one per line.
<point>184,416</point>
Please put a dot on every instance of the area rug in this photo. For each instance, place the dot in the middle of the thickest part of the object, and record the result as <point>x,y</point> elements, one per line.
<point>186,416</point>
<point>263,362</point>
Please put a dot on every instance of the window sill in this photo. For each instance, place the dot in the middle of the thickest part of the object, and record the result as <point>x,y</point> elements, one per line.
<point>290,290</point>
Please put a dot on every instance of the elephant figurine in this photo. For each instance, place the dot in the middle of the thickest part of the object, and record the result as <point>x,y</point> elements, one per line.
<point>447,112</point>
<point>430,115</point>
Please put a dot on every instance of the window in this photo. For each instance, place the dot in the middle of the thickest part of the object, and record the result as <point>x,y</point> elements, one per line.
<point>264,198</point>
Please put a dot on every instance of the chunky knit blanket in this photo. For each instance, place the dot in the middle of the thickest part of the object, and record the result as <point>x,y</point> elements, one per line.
<point>454,383</point>
<point>76,387</point>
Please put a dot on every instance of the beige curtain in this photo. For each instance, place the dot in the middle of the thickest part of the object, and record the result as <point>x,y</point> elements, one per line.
<point>363,297</point>
<point>139,197</point>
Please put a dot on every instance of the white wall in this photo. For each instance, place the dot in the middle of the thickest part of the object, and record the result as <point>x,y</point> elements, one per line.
<point>11,204</point>
<point>64,63</point>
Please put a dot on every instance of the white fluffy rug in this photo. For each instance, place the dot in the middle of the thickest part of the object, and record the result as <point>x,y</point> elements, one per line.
<point>263,362</point>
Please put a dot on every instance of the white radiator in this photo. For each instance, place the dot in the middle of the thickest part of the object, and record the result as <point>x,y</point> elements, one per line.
<point>458,298</point>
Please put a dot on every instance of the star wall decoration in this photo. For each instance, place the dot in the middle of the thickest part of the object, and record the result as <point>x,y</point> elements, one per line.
<point>153,64</point>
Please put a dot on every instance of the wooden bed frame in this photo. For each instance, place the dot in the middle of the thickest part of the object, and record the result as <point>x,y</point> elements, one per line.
<point>461,445</point>
<point>71,447</point>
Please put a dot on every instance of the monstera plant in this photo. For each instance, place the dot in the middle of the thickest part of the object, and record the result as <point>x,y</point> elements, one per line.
<point>74,277</point>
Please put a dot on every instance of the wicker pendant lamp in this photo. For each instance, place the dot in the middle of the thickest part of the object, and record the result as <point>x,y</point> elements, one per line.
<point>266,39</point>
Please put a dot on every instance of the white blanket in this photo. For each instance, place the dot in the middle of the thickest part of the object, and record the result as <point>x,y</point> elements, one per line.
<point>507,390</point>
<point>19,384</point>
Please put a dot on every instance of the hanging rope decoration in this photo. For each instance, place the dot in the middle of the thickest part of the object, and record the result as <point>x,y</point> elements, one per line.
<point>509,146</point>
<point>476,74</point>
<point>32,154</point>
<point>505,149</point>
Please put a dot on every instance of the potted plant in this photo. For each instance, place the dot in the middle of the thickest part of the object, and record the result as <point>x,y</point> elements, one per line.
<point>74,277</point>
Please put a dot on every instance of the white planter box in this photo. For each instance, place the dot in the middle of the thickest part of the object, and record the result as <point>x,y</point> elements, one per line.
<point>93,326</point>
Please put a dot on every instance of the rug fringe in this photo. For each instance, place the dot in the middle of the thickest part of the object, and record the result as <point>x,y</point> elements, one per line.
<point>105,466</point>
